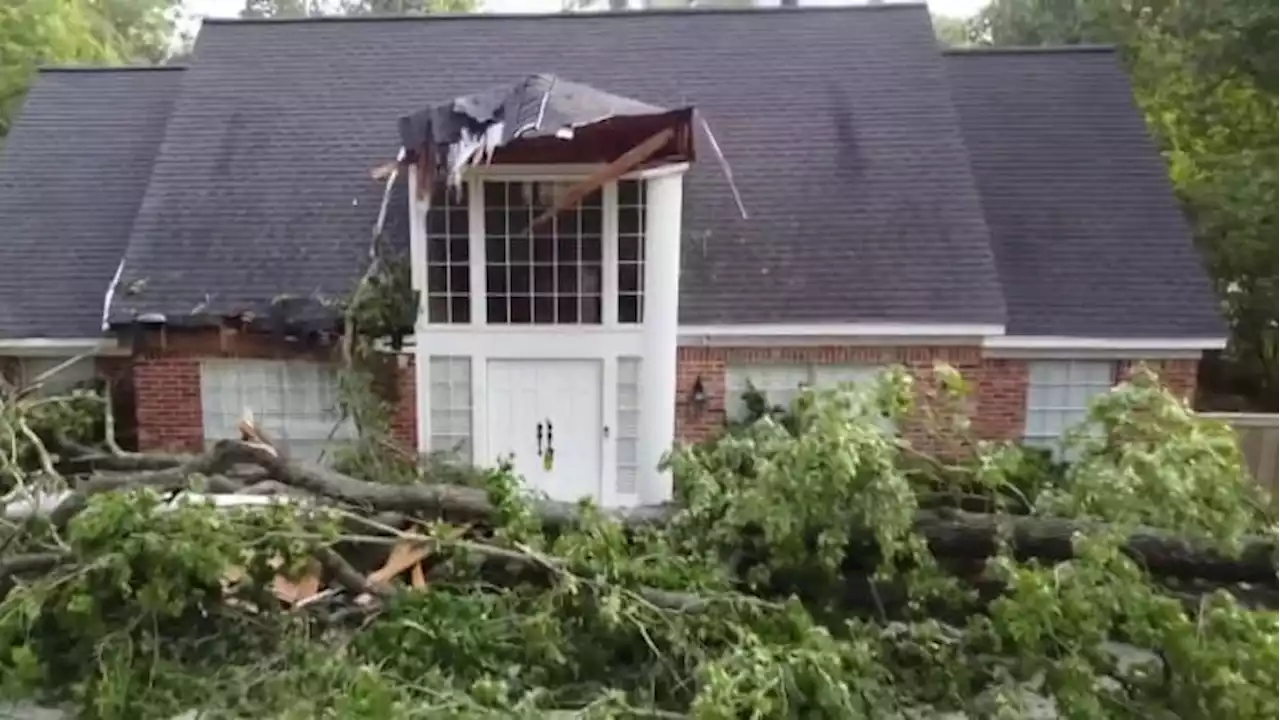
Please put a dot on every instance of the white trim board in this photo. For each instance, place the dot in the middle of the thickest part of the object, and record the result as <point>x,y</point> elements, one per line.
<point>843,330</point>
<point>60,347</point>
<point>1034,346</point>
<point>567,171</point>
<point>880,335</point>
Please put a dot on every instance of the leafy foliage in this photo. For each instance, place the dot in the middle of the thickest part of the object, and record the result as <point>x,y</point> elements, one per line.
<point>1204,74</point>
<point>88,32</point>
<point>318,8</point>
<point>686,619</point>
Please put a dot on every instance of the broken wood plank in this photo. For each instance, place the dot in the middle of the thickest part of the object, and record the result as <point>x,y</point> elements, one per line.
<point>625,163</point>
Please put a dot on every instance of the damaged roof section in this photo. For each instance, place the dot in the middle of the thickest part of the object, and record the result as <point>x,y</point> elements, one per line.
<point>543,119</point>
<point>73,174</point>
<point>862,206</point>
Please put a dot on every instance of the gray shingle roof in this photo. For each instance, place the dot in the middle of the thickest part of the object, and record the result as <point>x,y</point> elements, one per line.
<point>837,123</point>
<point>72,174</point>
<point>1089,238</point>
<point>852,147</point>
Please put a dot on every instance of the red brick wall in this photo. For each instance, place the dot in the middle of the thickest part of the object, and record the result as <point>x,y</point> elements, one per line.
<point>404,424</point>
<point>694,424</point>
<point>167,403</point>
<point>166,379</point>
<point>167,383</point>
<point>1179,376</point>
<point>999,385</point>
<point>1000,390</point>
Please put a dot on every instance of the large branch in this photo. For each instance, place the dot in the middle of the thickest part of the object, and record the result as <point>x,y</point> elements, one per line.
<point>455,502</point>
<point>220,459</point>
<point>950,533</point>
<point>955,533</point>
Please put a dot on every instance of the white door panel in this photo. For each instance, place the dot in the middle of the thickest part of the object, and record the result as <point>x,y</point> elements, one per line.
<point>547,414</point>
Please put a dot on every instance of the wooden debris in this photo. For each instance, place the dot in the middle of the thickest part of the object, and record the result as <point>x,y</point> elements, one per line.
<point>405,554</point>
<point>294,592</point>
<point>625,163</point>
<point>251,434</point>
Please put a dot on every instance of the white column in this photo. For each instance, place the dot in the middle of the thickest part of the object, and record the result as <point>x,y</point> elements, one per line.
<point>418,274</point>
<point>663,203</point>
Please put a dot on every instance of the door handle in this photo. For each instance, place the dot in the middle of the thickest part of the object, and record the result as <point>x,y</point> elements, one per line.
<point>540,440</point>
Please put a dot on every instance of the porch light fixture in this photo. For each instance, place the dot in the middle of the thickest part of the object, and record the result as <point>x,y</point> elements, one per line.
<point>698,395</point>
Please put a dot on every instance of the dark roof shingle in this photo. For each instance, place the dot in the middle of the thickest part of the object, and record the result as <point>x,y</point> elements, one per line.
<point>837,124</point>
<point>72,174</point>
<point>1089,238</point>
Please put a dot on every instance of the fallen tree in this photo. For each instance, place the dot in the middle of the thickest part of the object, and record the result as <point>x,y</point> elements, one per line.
<point>799,574</point>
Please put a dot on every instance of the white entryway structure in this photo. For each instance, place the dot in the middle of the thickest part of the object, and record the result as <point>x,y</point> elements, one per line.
<point>554,349</point>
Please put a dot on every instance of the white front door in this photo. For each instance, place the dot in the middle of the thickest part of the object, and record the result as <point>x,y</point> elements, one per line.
<point>547,415</point>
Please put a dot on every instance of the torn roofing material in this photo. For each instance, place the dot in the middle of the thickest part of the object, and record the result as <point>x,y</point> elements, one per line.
<point>469,130</point>
<point>73,172</point>
<point>844,145</point>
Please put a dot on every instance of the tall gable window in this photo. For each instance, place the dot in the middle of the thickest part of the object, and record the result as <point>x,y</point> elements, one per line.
<point>552,275</point>
<point>448,258</point>
<point>630,251</point>
<point>583,266</point>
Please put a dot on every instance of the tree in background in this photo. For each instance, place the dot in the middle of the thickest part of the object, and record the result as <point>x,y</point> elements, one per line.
<point>317,8</point>
<point>951,31</point>
<point>63,32</point>
<point>1204,74</point>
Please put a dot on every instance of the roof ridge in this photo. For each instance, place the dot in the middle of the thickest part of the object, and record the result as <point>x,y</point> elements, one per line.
<point>441,17</point>
<point>1029,49</point>
<point>106,68</point>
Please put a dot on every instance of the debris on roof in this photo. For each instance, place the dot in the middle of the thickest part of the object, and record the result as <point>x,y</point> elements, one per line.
<point>547,119</point>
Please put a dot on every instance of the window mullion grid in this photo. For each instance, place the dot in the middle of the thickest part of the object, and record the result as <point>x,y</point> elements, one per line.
<point>478,260</point>
<point>448,259</point>
<point>531,265</point>
<point>509,269</point>
<point>580,270</point>
<point>609,255</point>
<point>555,270</point>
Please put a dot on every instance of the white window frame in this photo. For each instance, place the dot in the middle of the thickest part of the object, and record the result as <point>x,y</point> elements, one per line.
<point>449,399</point>
<point>478,288</point>
<point>80,373</point>
<point>481,342</point>
<point>781,383</point>
<point>1058,396</point>
<point>627,433</point>
<point>292,401</point>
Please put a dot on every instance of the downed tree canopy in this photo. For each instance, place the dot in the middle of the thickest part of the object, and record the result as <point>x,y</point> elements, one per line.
<point>809,568</point>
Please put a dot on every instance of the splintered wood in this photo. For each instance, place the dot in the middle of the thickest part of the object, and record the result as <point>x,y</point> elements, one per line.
<point>625,163</point>
<point>405,555</point>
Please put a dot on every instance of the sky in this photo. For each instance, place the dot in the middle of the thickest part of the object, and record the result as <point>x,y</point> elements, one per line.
<point>195,9</point>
